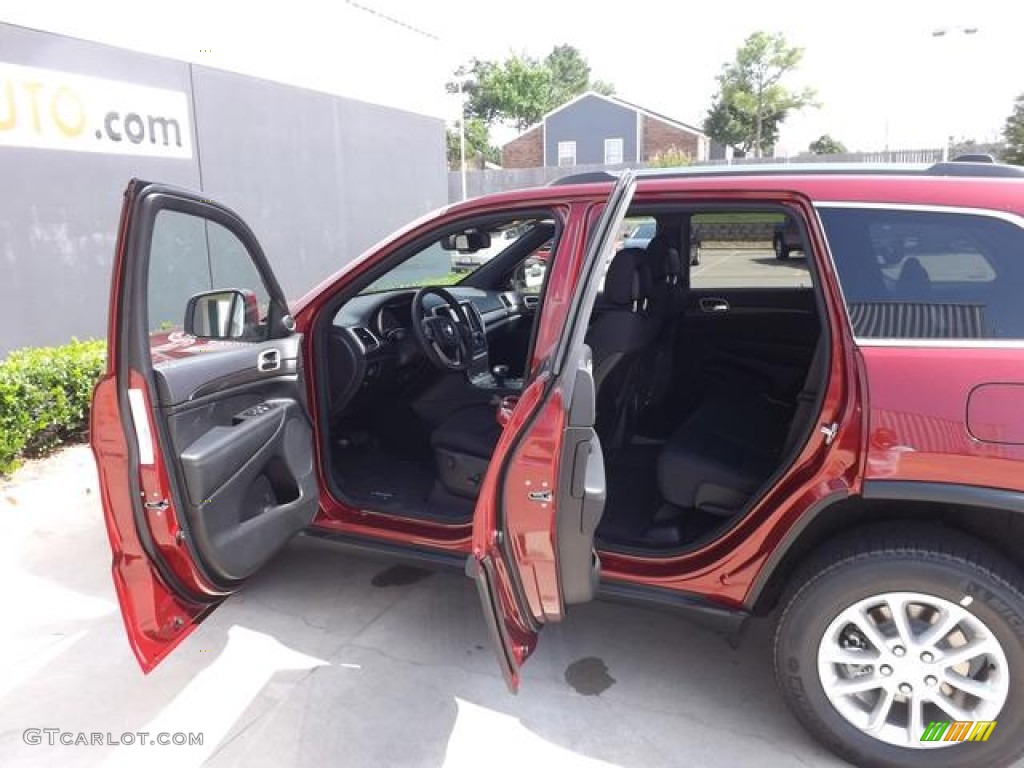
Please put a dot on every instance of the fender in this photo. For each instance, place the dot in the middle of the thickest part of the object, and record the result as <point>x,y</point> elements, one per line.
<point>946,493</point>
<point>881,490</point>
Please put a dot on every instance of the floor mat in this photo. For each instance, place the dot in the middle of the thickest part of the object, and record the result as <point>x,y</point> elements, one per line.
<point>382,481</point>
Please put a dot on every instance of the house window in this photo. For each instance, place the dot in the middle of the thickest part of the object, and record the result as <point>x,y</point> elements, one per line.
<point>612,151</point>
<point>566,153</point>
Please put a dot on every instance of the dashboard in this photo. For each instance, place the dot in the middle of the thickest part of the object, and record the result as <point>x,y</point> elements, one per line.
<point>372,350</point>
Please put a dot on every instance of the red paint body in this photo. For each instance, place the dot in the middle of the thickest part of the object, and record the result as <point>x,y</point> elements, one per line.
<point>902,415</point>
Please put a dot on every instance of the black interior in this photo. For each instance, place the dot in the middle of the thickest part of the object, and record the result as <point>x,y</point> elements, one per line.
<point>244,443</point>
<point>408,436</point>
<point>696,407</point>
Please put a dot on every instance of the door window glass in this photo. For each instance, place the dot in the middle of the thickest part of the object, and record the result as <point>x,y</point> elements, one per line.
<point>190,255</point>
<point>741,249</point>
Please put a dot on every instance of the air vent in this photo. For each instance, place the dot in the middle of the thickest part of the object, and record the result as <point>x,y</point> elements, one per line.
<point>365,338</point>
<point>507,301</point>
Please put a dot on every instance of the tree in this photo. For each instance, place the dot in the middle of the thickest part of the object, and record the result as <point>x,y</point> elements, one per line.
<point>672,157</point>
<point>570,73</point>
<point>1014,134</point>
<point>751,102</point>
<point>826,145</point>
<point>520,90</point>
<point>478,146</point>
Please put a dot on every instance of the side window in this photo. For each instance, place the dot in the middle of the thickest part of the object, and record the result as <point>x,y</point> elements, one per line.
<point>613,151</point>
<point>928,275</point>
<point>191,255</point>
<point>566,153</point>
<point>755,249</point>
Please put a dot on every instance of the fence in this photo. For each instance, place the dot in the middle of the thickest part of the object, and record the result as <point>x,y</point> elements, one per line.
<point>505,179</point>
<point>885,156</point>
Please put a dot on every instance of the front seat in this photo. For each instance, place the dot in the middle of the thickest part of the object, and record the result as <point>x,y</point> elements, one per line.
<point>617,336</point>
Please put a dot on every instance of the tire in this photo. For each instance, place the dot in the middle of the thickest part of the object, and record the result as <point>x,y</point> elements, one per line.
<point>937,576</point>
<point>781,252</point>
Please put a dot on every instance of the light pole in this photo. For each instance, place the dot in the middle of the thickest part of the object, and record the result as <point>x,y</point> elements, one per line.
<point>949,32</point>
<point>462,138</point>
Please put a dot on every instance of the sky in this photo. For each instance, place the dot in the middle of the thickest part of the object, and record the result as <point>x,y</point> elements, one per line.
<point>881,77</point>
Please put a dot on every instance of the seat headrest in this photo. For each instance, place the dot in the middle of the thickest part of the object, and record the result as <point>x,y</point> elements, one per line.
<point>628,279</point>
<point>664,259</point>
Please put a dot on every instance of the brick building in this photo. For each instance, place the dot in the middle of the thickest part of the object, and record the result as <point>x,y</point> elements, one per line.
<point>597,129</point>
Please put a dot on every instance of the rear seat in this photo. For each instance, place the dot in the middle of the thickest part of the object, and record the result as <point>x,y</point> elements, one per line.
<point>725,450</point>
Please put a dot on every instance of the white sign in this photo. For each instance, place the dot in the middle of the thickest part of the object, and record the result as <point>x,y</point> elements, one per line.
<point>47,109</point>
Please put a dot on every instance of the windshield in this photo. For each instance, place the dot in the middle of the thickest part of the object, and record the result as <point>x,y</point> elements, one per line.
<point>453,257</point>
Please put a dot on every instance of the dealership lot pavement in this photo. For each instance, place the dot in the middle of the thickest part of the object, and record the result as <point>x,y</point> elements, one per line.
<point>331,658</point>
<point>724,267</point>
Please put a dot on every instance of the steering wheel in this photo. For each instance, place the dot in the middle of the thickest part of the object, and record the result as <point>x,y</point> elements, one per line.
<point>445,341</point>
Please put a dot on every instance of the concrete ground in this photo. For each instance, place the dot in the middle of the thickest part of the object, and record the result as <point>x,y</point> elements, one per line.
<point>333,659</point>
<point>722,266</point>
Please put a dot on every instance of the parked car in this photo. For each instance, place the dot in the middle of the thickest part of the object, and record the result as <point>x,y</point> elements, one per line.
<point>787,238</point>
<point>641,235</point>
<point>848,458</point>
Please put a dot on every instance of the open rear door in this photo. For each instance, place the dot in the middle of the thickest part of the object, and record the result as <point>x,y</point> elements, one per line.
<point>199,428</point>
<point>543,495</point>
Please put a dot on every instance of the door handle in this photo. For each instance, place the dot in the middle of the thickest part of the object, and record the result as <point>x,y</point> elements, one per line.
<point>712,306</point>
<point>268,360</point>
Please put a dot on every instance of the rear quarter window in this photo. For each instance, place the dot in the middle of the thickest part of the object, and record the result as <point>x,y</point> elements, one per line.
<point>908,274</point>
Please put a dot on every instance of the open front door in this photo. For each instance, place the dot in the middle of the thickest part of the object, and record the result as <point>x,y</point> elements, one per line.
<point>199,428</point>
<point>543,495</point>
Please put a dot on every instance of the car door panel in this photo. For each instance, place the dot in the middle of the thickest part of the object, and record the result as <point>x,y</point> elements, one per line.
<point>204,445</point>
<point>769,333</point>
<point>543,494</point>
<point>248,478</point>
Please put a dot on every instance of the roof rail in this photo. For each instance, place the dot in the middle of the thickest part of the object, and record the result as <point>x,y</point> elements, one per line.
<point>974,157</point>
<point>962,166</point>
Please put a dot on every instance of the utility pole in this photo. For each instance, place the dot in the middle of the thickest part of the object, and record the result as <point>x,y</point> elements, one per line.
<point>948,32</point>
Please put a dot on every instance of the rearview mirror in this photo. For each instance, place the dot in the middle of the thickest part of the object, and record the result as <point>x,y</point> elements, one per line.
<point>470,241</point>
<point>222,314</point>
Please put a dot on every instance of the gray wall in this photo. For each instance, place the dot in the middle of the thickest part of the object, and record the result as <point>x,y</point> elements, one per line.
<point>319,178</point>
<point>589,122</point>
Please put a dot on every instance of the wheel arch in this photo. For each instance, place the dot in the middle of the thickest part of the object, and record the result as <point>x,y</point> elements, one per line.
<point>994,516</point>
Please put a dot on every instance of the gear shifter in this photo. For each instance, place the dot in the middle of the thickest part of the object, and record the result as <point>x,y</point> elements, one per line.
<point>500,373</point>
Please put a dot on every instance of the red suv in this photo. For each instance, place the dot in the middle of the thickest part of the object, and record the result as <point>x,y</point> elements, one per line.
<point>838,439</point>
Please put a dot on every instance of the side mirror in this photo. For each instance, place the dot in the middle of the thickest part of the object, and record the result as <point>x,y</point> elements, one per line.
<point>222,314</point>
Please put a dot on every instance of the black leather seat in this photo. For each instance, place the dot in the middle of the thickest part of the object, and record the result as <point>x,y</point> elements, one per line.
<point>913,283</point>
<point>464,442</point>
<point>668,302</point>
<point>463,445</point>
<point>473,430</point>
<point>668,292</point>
<point>719,457</point>
<point>621,336</point>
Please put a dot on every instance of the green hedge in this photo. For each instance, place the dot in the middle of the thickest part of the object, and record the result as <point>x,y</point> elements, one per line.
<point>44,397</point>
